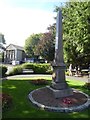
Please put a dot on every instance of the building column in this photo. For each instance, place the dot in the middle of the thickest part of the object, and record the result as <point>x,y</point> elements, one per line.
<point>15,54</point>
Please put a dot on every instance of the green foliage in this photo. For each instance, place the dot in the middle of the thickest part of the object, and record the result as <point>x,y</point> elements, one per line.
<point>2,41</point>
<point>30,44</point>
<point>50,70</point>
<point>0,57</point>
<point>3,70</point>
<point>75,25</point>
<point>87,85</point>
<point>76,32</point>
<point>27,65</point>
<point>41,68</point>
<point>41,44</point>
<point>38,67</point>
<point>45,46</point>
<point>16,70</point>
<point>67,73</point>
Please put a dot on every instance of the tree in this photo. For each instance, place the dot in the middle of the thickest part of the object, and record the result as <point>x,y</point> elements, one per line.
<point>2,48</point>
<point>76,32</point>
<point>2,39</point>
<point>46,45</point>
<point>30,44</point>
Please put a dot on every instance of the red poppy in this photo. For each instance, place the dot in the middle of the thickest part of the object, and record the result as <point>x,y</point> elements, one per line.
<point>67,101</point>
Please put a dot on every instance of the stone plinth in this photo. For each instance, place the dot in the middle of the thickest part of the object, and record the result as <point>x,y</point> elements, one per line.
<point>60,93</point>
<point>59,87</point>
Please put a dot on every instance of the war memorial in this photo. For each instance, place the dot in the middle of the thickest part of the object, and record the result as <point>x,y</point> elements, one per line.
<point>59,97</point>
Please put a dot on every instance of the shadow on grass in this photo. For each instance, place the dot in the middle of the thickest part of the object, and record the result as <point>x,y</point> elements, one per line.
<point>81,88</point>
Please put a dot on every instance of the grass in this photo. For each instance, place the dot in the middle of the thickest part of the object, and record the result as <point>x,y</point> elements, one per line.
<point>23,108</point>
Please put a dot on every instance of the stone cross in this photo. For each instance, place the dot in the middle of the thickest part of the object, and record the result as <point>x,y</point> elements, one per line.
<point>59,86</point>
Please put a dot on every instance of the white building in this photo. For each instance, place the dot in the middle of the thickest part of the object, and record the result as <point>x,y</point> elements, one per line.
<point>14,54</point>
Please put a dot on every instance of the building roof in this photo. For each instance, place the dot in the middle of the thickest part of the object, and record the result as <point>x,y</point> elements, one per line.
<point>16,46</point>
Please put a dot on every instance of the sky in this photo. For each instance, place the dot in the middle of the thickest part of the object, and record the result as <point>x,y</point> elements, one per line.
<point>21,18</point>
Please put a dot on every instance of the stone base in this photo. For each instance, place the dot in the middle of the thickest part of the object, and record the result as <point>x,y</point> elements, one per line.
<point>60,93</point>
<point>43,99</point>
<point>59,86</point>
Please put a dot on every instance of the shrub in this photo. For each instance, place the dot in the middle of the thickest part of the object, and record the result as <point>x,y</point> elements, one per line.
<point>39,82</point>
<point>16,70</point>
<point>41,68</point>
<point>27,65</point>
<point>49,69</point>
<point>2,57</point>
<point>3,70</point>
<point>38,67</point>
<point>6,101</point>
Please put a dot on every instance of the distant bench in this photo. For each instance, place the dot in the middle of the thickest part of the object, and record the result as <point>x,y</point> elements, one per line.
<point>83,71</point>
<point>27,71</point>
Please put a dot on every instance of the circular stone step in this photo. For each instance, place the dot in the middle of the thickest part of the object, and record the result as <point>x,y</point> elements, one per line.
<point>43,99</point>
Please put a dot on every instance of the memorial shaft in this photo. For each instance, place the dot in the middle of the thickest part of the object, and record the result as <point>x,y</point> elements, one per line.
<point>58,65</point>
<point>59,86</point>
<point>59,43</point>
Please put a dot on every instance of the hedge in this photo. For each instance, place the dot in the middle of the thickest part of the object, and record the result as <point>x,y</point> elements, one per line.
<point>38,68</point>
<point>28,65</point>
<point>3,70</point>
<point>16,70</point>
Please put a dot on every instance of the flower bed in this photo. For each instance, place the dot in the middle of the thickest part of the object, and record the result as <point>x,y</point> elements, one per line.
<point>39,82</point>
<point>6,101</point>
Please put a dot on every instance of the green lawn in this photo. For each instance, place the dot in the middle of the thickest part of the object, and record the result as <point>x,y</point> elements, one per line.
<point>23,108</point>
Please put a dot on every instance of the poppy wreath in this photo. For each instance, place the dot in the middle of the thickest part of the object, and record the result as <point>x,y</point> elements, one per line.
<point>67,101</point>
<point>39,82</point>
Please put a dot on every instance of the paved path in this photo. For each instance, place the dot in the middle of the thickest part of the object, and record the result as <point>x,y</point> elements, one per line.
<point>85,78</point>
<point>10,67</point>
<point>43,75</point>
<point>28,76</point>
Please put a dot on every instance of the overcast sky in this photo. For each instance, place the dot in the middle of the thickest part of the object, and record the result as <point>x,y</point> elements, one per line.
<point>21,18</point>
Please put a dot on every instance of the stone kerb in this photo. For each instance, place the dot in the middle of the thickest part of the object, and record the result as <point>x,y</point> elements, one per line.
<point>59,109</point>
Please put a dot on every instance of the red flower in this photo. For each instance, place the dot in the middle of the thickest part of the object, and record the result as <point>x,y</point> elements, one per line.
<point>67,101</point>
<point>39,82</point>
